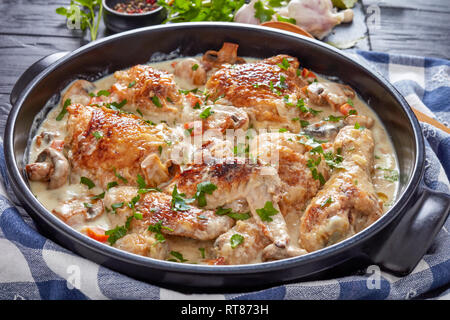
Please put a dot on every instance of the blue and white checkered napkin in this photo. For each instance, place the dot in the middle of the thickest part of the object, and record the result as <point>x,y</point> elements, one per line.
<point>33,267</point>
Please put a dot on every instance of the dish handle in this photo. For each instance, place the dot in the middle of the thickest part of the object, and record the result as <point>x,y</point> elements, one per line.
<point>29,74</point>
<point>405,243</point>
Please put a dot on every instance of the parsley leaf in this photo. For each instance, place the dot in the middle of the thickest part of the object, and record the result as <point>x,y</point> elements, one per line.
<point>61,115</point>
<point>178,256</point>
<point>156,102</point>
<point>236,239</point>
<point>267,211</point>
<point>202,189</point>
<point>206,113</point>
<point>179,202</point>
<point>88,182</point>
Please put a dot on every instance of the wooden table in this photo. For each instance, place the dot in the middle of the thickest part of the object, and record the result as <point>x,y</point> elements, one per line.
<point>30,29</point>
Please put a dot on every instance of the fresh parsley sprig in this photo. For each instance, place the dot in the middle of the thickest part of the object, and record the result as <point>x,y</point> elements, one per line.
<point>87,12</point>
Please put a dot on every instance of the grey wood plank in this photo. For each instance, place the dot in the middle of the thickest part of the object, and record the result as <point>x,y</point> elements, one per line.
<point>17,53</point>
<point>37,17</point>
<point>404,29</point>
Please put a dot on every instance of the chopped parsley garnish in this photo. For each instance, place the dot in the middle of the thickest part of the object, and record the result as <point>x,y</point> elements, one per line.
<point>179,202</point>
<point>326,202</point>
<point>88,182</point>
<point>352,111</point>
<point>98,135</point>
<point>119,176</point>
<point>236,239</point>
<point>132,203</point>
<point>282,130</point>
<point>178,257</point>
<point>235,215</point>
<point>115,234</point>
<point>116,206</point>
<point>131,84</point>
<point>87,205</point>
<point>195,67</point>
<point>357,126</point>
<point>156,228</point>
<point>282,84</point>
<point>141,182</point>
<point>188,91</point>
<point>147,190</point>
<point>117,106</point>
<point>284,64</point>
<point>332,118</point>
<point>61,115</point>
<point>266,212</point>
<point>304,123</point>
<point>206,113</point>
<point>197,105</point>
<point>391,175</point>
<point>156,102</point>
<point>105,93</point>
<point>98,196</point>
<point>111,184</point>
<point>140,112</point>
<point>202,189</point>
<point>202,252</point>
<point>350,102</point>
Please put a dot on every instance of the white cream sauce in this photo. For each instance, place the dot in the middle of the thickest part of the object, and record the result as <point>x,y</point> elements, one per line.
<point>385,165</point>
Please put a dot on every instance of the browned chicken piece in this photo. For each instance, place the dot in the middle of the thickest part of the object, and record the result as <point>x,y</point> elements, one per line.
<point>332,94</point>
<point>151,90</point>
<point>236,180</point>
<point>78,92</point>
<point>193,223</point>
<point>347,203</point>
<point>249,251</point>
<point>191,70</point>
<point>290,155</point>
<point>227,54</point>
<point>77,211</point>
<point>143,244</point>
<point>105,144</point>
<point>268,90</point>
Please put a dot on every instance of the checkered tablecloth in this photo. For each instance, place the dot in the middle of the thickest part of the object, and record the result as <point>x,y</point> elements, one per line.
<point>33,267</point>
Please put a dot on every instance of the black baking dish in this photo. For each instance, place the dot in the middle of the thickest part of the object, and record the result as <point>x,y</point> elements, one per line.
<point>396,242</point>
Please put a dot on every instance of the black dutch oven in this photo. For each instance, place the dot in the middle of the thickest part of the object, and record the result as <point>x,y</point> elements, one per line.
<point>396,242</point>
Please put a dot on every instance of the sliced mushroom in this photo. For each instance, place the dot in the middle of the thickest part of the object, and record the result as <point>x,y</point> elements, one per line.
<point>78,211</point>
<point>333,94</point>
<point>192,70</point>
<point>324,129</point>
<point>78,92</point>
<point>227,54</point>
<point>51,166</point>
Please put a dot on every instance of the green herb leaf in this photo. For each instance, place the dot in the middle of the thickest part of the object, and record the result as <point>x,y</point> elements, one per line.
<point>156,102</point>
<point>98,196</point>
<point>284,64</point>
<point>266,212</point>
<point>88,182</point>
<point>61,115</point>
<point>119,176</point>
<point>111,184</point>
<point>202,189</point>
<point>178,256</point>
<point>116,233</point>
<point>206,113</point>
<point>202,252</point>
<point>179,203</point>
<point>131,84</point>
<point>263,13</point>
<point>236,239</point>
<point>195,67</point>
<point>98,135</point>
<point>105,93</point>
